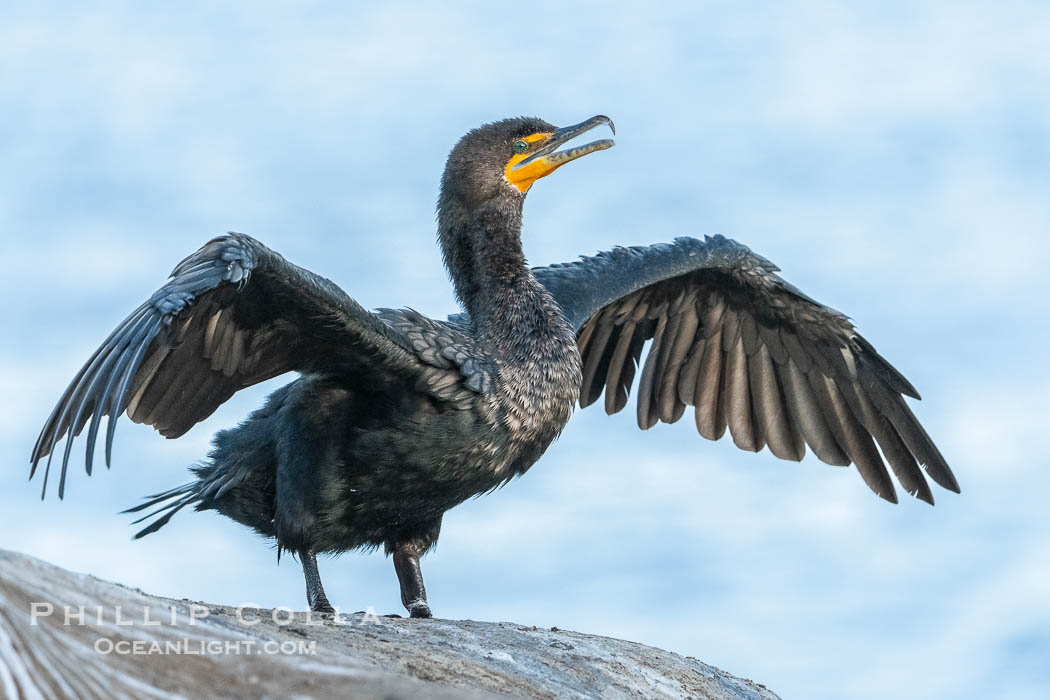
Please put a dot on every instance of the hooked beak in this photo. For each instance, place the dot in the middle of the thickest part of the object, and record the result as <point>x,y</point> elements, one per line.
<point>523,171</point>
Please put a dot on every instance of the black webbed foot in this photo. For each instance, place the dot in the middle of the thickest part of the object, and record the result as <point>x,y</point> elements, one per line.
<point>315,596</point>
<point>406,564</point>
<point>322,607</point>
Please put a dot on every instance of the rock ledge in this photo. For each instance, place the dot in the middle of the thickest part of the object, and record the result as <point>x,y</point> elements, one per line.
<point>125,643</point>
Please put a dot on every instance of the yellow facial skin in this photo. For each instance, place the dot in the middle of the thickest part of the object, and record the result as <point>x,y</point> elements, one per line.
<point>543,165</point>
<point>540,159</point>
<point>524,177</point>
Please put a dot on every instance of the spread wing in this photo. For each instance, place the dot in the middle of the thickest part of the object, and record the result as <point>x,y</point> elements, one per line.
<point>233,314</point>
<point>749,352</point>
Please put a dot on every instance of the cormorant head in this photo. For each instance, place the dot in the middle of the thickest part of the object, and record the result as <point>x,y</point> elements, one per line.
<point>486,178</point>
<point>505,158</point>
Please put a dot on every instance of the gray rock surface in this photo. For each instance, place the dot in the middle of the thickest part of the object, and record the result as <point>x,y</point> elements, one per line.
<point>187,649</point>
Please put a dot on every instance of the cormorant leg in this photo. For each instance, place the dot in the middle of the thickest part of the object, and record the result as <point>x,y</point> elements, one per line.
<point>315,596</point>
<point>406,564</point>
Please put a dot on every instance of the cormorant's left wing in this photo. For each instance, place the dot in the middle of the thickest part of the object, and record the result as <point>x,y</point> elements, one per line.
<point>749,351</point>
<point>233,314</point>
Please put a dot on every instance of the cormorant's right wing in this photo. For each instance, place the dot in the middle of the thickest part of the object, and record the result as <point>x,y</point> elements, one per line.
<point>749,351</point>
<point>233,314</point>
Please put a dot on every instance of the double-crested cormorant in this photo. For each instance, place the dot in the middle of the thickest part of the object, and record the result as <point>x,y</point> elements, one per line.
<point>396,417</point>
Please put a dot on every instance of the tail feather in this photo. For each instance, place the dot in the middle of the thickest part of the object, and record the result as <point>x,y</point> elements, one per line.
<point>178,498</point>
<point>216,488</point>
<point>156,498</point>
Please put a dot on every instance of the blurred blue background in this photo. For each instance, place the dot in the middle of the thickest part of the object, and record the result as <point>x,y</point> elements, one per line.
<point>894,160</point>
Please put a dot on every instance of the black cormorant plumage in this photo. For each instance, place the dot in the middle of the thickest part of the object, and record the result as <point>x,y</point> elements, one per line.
<point>396,417</point>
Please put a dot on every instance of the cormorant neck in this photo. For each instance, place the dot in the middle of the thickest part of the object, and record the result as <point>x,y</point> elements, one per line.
<point>483,253</point>
<point>516,320</point>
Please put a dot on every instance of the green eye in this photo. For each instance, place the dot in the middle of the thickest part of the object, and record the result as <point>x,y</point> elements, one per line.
<point>520,146</point>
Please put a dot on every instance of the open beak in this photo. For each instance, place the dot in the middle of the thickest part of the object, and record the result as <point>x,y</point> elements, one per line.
<point>546,159</point>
